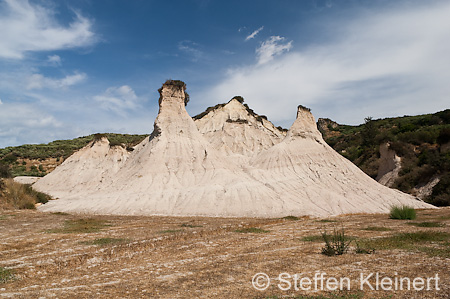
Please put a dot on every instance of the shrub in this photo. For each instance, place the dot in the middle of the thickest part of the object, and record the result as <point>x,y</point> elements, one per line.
<point>444,136</point>
<point>402,212</point>
<point>5,275</point>
<point>5,172</point>
<point>336,244</point>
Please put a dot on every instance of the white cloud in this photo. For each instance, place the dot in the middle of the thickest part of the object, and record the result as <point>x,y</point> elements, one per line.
<point>39,81</point>
<point>27,27</point>
<point>385,63</point>
<point>19,122</point>
<point>119,99</point>
<point>272,47</point>
<point>192,49</point>
<point>1,103</point>
<point>54,60</point>
<point>254,33</point>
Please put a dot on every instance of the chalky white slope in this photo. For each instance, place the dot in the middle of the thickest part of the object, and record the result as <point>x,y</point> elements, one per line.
<point>235,129</point>
<point>177,171</point>
<point>84,170</point>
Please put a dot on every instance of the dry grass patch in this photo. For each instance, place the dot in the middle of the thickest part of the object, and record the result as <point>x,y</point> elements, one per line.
<point>106,241</point>
<point>252,230</point>
<point>88,225</point>
<point>377,228</point>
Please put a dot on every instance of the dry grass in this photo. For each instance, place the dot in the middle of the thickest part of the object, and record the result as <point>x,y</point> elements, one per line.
<point>129,257</point>
<point>15,196</point>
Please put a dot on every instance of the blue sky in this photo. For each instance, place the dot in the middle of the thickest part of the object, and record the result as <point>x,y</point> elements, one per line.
<point>72,68</point>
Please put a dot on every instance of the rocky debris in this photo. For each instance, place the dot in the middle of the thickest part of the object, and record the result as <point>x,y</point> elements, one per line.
<point>390,166</point>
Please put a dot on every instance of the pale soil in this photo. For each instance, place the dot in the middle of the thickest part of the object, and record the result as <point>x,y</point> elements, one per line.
<point>211,261</point>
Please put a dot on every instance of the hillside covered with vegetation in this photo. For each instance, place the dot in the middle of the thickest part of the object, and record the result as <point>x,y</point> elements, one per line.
<point>31,159</point>
<point>422,142</point>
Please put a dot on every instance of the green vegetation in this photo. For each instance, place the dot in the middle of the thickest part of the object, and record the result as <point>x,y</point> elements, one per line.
<point>292,218</point>
<point>426,224</point>
<point>407,241</point>
<point>335,244</point>
<point>402,213</point>
<point>6,275</point>
<point>327,220</point>
<point>421,141</point>
<point>105,241</point>
<point>19,196</point>
<point>190,225</point>
<point>252,230</point>
<point>10,165</point>
<point>88,225</point>
<point>377,228</point>
<point>239,98</point>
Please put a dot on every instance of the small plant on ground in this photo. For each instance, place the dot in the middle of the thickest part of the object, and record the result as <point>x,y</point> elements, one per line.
<point>293,218</point>
<point>361,249</point>
<point>327,220</point>
<point>190,225</point>
<point>426,224</point>
<point>105,241</point>
<point>253,230</point>
<point>89,225</point>
<point>335,244</point>
<point>5,275</point>
<point>378,228</point>
<point>403,213</point>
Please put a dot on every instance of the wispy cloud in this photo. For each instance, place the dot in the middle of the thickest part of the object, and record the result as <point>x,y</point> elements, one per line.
<point>118,99</point>
<point>27,27</point>
<point>254,33</point>
<point>192,49</point>
<point>273,46</point>
<point>384,63</point>
<point>39,81</point>
<point>54,60</point>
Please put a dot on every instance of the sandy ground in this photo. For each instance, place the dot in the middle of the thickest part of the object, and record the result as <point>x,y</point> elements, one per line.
<point>179,257</point>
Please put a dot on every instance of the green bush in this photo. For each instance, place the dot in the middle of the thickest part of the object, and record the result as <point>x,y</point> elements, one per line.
<point>6,275</point>
<point>402,213</point>
<point>5,172</point>
<point>336,244</point>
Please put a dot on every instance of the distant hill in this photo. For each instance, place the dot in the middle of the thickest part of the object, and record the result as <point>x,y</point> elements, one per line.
<point>418,145</point>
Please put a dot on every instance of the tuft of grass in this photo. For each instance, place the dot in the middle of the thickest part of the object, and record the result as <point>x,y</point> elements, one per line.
<point>426,224</point>
<point>326,220</point>
<point>6,275</point>
<point>105,241</point>
<point>190,225</point>
<point>361,249</point>
<point>60,213</point>
<point>402,213</point>
<point>88,225</point>
<point>292,218</point>
<point>313,238</point>
<point>406,240</point>
<point>252,230</point>
<point>378,228</point>
<point>335,244</point>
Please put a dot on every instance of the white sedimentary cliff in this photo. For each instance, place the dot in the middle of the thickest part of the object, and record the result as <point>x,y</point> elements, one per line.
<point>229,162</point>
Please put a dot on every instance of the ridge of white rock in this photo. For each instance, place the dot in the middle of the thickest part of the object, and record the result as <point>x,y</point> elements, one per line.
<point>179,171</point>
<point>84,170</point>
<point>390,166</point>
<point>233,129</point>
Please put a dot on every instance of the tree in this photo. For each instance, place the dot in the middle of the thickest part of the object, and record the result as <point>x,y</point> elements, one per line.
<point>369,132</point>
